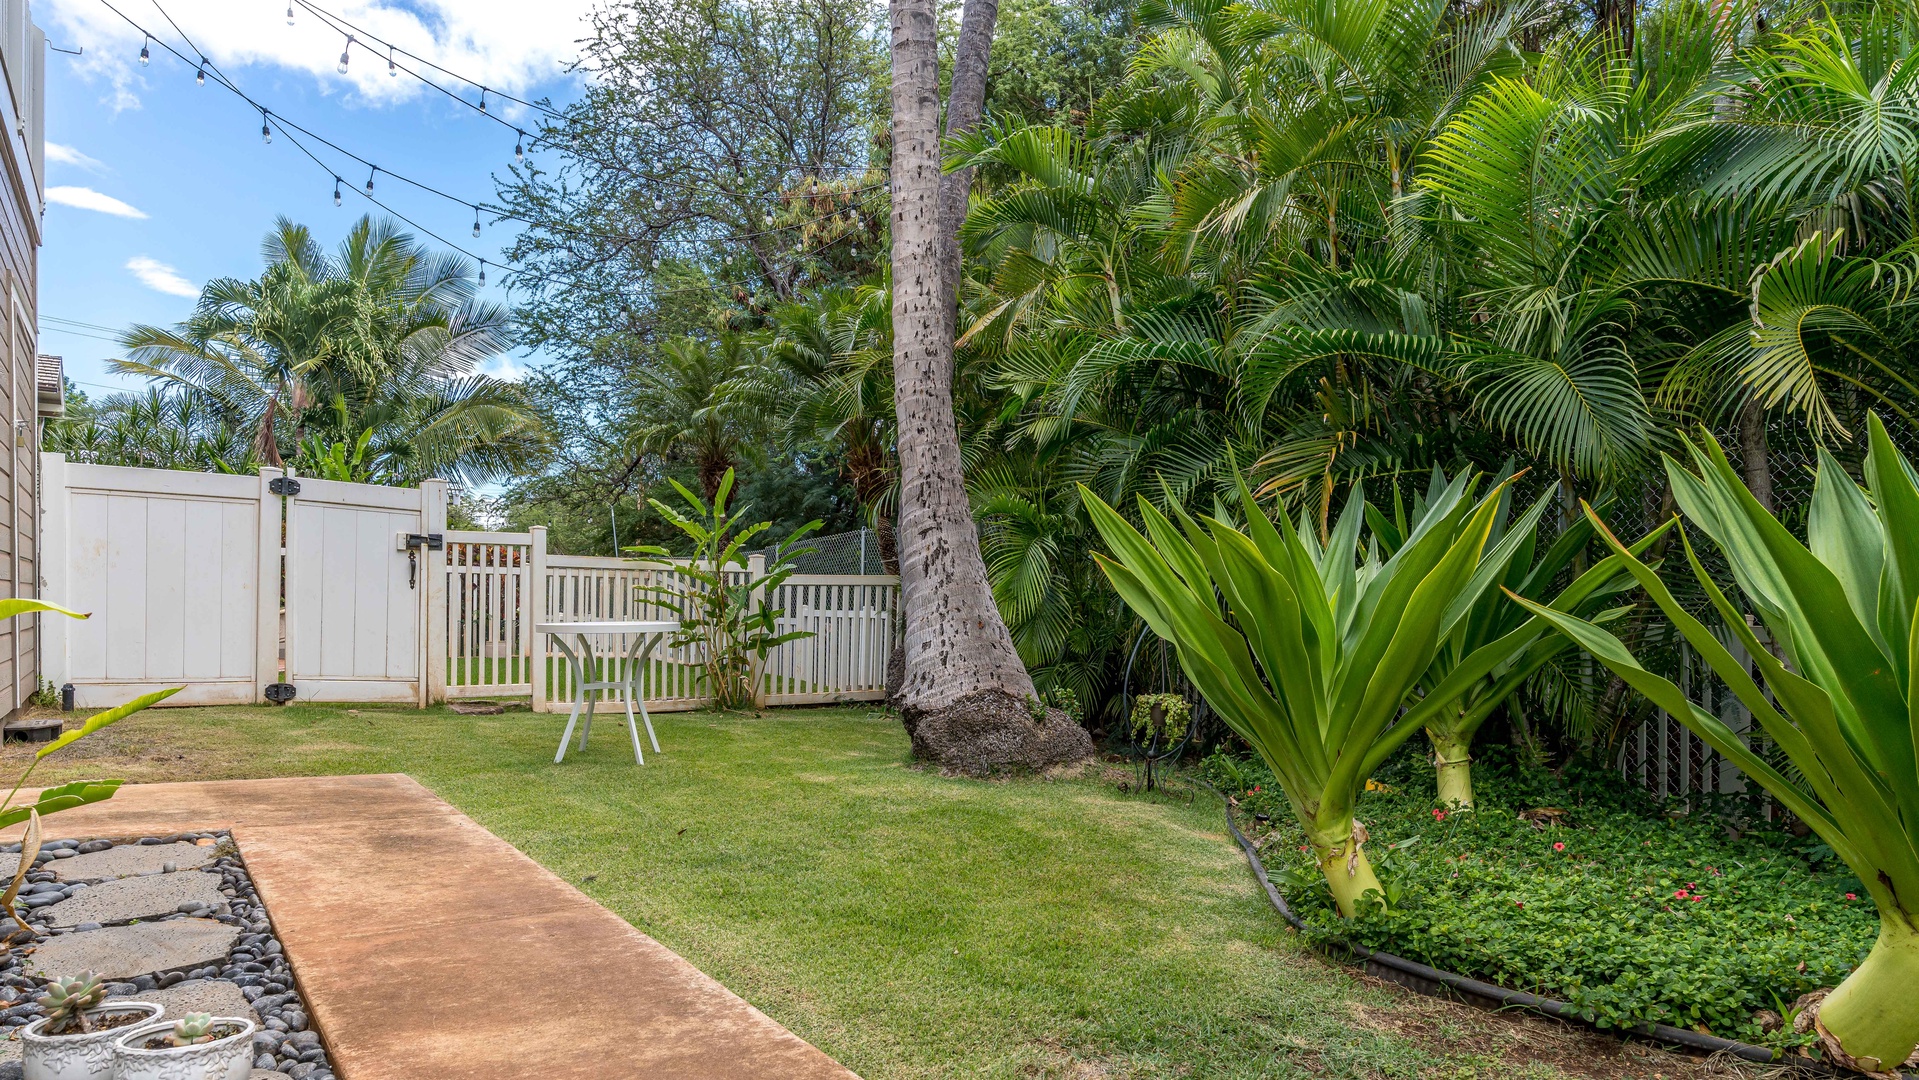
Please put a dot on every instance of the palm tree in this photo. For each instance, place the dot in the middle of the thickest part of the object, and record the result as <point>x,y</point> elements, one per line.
<point>382,336</point>
<point>960,661</point>
<point>685,412</point>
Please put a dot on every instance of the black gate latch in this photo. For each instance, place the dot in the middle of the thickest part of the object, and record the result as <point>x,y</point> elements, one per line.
<point>283,485</point>
<point>414,542</point>
<point>280,693</point>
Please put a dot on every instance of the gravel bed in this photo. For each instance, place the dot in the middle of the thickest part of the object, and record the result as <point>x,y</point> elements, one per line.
<point>285,1043</point>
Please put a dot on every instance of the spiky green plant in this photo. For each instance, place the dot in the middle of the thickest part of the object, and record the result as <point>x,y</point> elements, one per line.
<point>192,1030</point>
<point>1510,556</point>
<point>67,1000</point>
<point>1315,652</point>
<point>1841,701</point>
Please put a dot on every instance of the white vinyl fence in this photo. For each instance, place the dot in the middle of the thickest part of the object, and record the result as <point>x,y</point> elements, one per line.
<point>256,588</point>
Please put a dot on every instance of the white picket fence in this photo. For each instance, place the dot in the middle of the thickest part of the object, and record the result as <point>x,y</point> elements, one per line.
<point>495,580</point>
<point>338,592</point>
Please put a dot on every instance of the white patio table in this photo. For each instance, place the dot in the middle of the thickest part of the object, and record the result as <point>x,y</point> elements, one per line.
<point>644,636</point>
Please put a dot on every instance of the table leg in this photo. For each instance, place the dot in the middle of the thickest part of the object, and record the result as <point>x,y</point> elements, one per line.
<point>579,695</point>
<point>631,687</point>
<point>586,651</point>
<point>640,699</point>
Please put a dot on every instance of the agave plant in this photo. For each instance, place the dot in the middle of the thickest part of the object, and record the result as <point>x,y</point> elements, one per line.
<point>1321,651</point>
<point>1840,698</point>
<point>1492,618</point>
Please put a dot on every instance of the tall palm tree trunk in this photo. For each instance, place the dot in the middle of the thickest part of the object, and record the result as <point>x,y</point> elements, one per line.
<point>965,690</point>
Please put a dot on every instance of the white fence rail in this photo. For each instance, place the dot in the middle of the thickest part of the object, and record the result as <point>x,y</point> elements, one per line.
<point>241,588</point>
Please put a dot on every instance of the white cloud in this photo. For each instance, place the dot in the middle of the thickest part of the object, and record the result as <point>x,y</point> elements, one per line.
<point>85,198</point>
<point>160,277</point>
<point>61,154</point>
<point>506,45</point>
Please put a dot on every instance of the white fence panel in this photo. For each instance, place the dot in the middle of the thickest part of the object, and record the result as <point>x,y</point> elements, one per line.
<point>356,598</point>
<point>489,585</point>
<point>853,620</point>
<point>169,564</point>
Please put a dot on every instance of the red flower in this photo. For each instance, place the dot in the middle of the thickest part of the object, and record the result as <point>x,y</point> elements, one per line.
<point>1519,903</point>
<point>1439,815</point>
<point>1559,845</point>
<point>1852,896</point>
<point>1679,894</point>
<point>1695,898</point>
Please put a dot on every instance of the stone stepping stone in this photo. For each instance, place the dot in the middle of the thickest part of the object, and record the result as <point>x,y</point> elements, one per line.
<point>136,898</point>
<point>131,860</point>
<point>125,952</point>
<point>216,996</point>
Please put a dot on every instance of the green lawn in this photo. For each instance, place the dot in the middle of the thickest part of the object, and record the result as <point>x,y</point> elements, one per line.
<point>910,925</point>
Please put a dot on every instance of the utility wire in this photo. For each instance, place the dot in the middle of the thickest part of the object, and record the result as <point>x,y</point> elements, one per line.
<point>270,120</point>
<point>498,212</point>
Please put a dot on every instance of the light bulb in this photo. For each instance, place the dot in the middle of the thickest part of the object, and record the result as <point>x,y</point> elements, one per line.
<point>483,273</point>
<point>289,14</point>
<point>769,219</point>
<point>145,57</point>
<point>476,225</point>
<point>483,100</point>
<point>519,152</point>
<point>659,203</point>
<point>336,191</point>
<point>392,71</point>
<point>266,132</point>
<point>200,78</point>
<point>343,54</point>
<point>369,179</point>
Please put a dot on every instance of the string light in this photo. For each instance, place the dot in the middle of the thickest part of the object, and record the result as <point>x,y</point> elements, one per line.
<point>392,69</point>
<point>482,273</point>
<point>519,151</point>
<point>344,53</point>
<point>483,99</point>
<point>369,179</point>
<point>145,57</point>
<point>289,14</point>
<point>476,223</point>
<point>266,131</point>
<point>200,79</point>
<point>336,191</point>
<point>659,203</point>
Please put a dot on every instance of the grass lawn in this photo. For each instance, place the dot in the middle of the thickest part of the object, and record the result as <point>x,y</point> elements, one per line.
<point>910,925</point>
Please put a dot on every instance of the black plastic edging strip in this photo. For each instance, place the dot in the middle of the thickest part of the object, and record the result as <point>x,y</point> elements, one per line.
<point>1711,1044</point>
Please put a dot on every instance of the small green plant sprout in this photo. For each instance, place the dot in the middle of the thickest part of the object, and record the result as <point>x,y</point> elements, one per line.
<point>1164,716</point>
<point>192,1030</point>
<point>67,1000</point>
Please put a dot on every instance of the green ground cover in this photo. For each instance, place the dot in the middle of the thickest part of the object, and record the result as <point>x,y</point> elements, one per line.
<point>911,925</point>
<point>1583,889</point>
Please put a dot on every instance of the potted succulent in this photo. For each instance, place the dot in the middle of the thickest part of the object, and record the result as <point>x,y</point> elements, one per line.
<point>198,1047</point>
<point>74,1040</point>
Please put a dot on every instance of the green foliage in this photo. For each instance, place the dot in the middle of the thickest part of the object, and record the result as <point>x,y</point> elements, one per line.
<point>1321,650</point>
<point>1175,713</point>
<point>1842,693</point>
<point>67,1000</point>
<point>726,611</point>
<point>1647,914</point>
<point>368,354</point>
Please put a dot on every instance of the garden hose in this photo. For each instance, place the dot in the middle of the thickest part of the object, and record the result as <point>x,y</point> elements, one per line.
<point>1711,1044</point>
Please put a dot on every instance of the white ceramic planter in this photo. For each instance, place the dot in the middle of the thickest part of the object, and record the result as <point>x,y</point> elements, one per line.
<point>80,1056</point>
<point>230,1058</point>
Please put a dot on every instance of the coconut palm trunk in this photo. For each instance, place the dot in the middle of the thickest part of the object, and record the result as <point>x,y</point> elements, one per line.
<point>965,692</point>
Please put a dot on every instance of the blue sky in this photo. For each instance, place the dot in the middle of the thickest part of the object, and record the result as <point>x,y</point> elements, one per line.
<point>157,184</point>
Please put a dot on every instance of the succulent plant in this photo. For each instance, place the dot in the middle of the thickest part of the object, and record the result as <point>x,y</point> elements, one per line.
<point>192,1030</point>
<point>67,1000</point>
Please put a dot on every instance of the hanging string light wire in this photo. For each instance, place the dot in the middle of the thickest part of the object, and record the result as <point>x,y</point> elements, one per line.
<point>271,121</point>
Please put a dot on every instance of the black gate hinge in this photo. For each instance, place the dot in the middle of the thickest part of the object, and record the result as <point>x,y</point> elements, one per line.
<point>281,692</point>
<point>283,485</point>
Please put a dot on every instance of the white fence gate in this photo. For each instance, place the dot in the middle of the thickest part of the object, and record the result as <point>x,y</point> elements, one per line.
<point>356,592</point>
<point>256,588</point>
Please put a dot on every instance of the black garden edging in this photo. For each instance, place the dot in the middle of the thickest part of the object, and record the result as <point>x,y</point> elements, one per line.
<point>1436,983</point>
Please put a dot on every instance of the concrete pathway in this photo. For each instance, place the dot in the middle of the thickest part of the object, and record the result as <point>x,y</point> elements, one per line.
<point>428,947</point>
